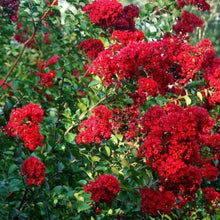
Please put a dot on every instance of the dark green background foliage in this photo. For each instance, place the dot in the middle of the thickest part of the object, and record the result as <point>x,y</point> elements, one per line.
<point>69,166</point>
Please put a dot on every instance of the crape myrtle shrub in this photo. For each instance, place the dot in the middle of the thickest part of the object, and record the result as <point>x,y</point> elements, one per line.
<point>101,118</point>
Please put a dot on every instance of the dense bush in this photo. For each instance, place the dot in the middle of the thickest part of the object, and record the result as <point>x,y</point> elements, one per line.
<point>108,111</point>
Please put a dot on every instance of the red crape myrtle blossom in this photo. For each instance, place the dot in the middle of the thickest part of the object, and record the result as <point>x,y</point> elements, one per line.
<point>96,127</point>
<point>21,35</point>
<point>11,7</point>
<point>125,121</point>
<point>126,19</point>
<point>155,202</point>
<point>173,147</point>
<point>187,23</point>
<point>111,14</point>
<point>147,87</point>
<point>103,189</point>
<point>24,122</point>
<point>126,37</point>
<point>209,171</point>
<point>104,12</point>
<point>212,198</point>
<point>213,142</point>
<point>214,87</point>
<point>168,62</point>
<point>46,76</point>
<point>183,180</point>
<point>91,47</point>
<point>35,171</point>
<point>201,4</point>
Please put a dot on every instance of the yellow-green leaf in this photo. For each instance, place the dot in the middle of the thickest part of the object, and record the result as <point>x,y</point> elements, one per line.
<point>96,159</point>
<point>199,95</point>
<point>188,100</point>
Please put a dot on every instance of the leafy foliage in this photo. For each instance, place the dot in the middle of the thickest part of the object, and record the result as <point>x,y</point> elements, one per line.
<point>149,102</point>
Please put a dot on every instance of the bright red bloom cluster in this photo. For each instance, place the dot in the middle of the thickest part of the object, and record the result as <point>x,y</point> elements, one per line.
<point>155,202</point>
<point>103,189</point>
<point>209,171</point>
<point>24,122</point>
<point>125,37</point>
<point>125,121</point>
<point>103,12</point>
<point>212,198</point>
<point>125,21</point>
<point>96,127</point>
<point>211,195</point>
<point>187,23</point>
<point>214,86</point>
<point>47,78</point>
<point>35,171</point>
<point>91,47</point>
<point>147,87</point>
<point>173,148</point>
<point>201,4</point>
<point>111,14</point>
<point>11,7</point>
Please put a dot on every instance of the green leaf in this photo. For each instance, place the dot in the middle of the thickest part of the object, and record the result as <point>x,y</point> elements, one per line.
<point>58,189</point>
<point>12,168</point>
<point>94,83</point>
<point>82,107</point>
<point>188,100</point>
<point>199,95</point>
<point>108,151</point>
<point>96,159</point>
<point>82,206</point>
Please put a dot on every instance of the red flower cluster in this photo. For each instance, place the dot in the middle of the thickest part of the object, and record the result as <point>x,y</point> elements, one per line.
<point>24,122</point>
<point>11,7</point>
<point>103,189</point>
<point>5,84</point>
<point>96,127</point>
<point>211,195</point>
<point>104,12</point>
<point>111,14</point>
<point>187,23</point>
<point>22,36</point>
<point>201,4</point>
<point>91,47</point>
<point>147,87</point>
<point>47,78</point>
<point>155,202</point>
<point>173,148</point>
<point>35,171</point>
<point>125,21</point>
<point>122,63</point>
<point>125,121</point>
<point>214,86</point>
<point>126,37</point>
<point>212,198</point>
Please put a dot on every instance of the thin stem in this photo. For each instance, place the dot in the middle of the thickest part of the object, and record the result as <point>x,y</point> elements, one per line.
<point>23,199</point>
<point>25,44</point>
<point>60,90</point>
<point>20,54</point>
<point>48,10</point>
